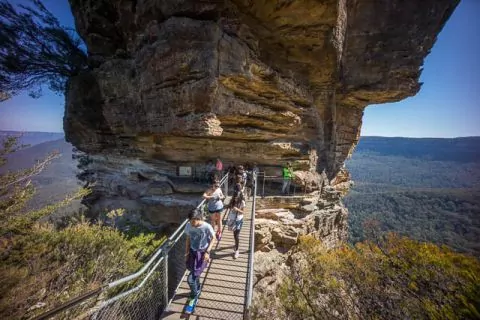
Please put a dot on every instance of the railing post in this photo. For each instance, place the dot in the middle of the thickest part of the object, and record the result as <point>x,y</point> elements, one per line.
<point>252,253</point>
<point>165,272</point>
<point>263,187</point>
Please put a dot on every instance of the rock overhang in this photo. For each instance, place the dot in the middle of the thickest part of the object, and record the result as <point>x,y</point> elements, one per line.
<point>250,81</point>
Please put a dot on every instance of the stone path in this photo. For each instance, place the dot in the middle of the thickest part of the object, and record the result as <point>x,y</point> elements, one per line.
<point>224,281</point>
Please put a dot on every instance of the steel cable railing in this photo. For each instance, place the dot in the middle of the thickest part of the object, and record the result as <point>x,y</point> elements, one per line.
<point>251,254</point>
<point>138,298</point>
<point>271,185</point>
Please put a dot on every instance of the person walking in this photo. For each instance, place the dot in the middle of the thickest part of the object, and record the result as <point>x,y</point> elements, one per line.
<point>255,169</point>
<point>215,198</point>
<point>200,241</point>
<point>210,172</point>
<point>235,220</point>
<point>219,168</point>
<point>287,173</point>
<point>243,174</point>
<point>237,188</point>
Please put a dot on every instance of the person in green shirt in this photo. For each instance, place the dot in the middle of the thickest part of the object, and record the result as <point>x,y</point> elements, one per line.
<point>287,174</point>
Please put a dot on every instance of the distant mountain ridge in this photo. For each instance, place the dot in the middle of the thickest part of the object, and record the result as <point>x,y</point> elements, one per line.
<point>32,138</point>
<point>461,149</point>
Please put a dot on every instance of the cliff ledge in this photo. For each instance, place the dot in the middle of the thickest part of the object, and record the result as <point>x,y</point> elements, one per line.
<point>175,83</point>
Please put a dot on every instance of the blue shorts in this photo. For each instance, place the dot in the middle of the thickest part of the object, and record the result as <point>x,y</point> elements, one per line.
<point>237,226</point>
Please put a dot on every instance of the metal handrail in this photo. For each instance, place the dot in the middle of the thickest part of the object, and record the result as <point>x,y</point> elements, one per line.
<point>126,293</point>
<point>69,304</point>
<point>165,246</point>
<point>180,230</point>
<point>252,248</point>
<point>272,177</point>
<point>162,247</point>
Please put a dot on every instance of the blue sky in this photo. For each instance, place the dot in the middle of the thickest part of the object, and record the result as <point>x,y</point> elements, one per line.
<point>446,106</point>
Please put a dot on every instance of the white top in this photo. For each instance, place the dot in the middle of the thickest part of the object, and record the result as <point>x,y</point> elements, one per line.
<point>215,203</point>
<point>241,207</point>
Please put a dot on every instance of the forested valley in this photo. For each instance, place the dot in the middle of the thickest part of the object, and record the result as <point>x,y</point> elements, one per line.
<point>427,189</point>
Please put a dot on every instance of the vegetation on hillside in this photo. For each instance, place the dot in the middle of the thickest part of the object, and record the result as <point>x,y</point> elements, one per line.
<point>426,189</point>
<point>442,216</point>
<point>41,265</point>
<point>393,278</point>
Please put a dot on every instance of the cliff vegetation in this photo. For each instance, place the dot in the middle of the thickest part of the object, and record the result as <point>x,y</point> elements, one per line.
<point>43,265</point>
<point>391,278</point>
<point>426,189</point>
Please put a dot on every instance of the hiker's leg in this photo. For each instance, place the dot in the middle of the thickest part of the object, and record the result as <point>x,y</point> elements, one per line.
<point>216,222</point>
<point>198,284</point>
<point>284,187</point>
<point>213,219</point>
<point>236,236</point>
<point>193,283</point>
<point>219,221</point>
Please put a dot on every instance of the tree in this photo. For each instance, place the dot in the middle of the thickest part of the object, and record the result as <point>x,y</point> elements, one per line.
<point>398,278</point>
<point>36,50</point>
<point>16,189</point>
<point>43,265</point>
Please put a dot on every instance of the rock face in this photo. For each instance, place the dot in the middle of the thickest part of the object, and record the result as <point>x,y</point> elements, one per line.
<point>278,226</point>
<point>280,221</point>
<point>175,83</point>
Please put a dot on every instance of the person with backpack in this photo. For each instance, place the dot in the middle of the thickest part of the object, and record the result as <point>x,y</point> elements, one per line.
<point>235,220</point>
<point>215,197</point>
<point>287,174</point>
<point>199,243</point>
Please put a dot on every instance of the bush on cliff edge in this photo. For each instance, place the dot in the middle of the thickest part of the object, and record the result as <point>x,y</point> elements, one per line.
<point>42,266</point>
<point>396,278</point>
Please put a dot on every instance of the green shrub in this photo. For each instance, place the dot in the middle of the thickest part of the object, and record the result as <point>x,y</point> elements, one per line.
<point>398,278</point>
<point>41,265</point>
<point>52,266</point>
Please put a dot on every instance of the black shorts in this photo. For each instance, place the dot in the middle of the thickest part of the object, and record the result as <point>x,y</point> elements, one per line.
<point>216,211</point>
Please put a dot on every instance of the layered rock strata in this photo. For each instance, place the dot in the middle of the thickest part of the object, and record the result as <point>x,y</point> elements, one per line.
<point>175,83</point>
<point>281,220</point>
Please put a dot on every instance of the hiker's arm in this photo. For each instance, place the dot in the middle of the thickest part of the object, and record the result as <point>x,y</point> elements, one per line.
<point>210,245</point>
<point>212,242</point>
<point>239,210</point>
<point>206,256</point>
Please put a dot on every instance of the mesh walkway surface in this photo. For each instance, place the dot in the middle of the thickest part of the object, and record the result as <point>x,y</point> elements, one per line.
<point>224,281</point>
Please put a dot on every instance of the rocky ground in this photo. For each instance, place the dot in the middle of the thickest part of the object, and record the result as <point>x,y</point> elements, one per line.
<point>280,221</point>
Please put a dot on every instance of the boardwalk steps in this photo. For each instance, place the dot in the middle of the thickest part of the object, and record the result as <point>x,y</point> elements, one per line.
<point>224,281</point>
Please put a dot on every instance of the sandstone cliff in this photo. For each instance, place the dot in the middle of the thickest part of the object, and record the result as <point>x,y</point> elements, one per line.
<point>182,81</point>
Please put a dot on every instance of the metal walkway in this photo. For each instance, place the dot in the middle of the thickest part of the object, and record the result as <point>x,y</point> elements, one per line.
<point>224,282</point>
<point>159,289</point>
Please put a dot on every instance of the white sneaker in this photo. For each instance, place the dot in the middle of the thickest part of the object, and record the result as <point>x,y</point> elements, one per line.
<point>236,254</point>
